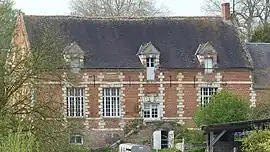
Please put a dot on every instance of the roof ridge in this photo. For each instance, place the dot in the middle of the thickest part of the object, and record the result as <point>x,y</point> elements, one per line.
<point>126,17</point>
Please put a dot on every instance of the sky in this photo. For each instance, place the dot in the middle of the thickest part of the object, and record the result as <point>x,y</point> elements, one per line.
<point>61,7</point>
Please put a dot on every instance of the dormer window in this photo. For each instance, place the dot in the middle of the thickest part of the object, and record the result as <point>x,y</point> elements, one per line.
<point>74,57</point>
<point>207,57</point>
<point>75,65</point>
<point>208,65</point>
<point>149,57</point>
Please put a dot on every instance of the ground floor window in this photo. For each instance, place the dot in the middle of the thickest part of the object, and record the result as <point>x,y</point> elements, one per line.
<point>76,139</point>
<point>151,111</point>
<point>111,102</point>
<point>75,102</point>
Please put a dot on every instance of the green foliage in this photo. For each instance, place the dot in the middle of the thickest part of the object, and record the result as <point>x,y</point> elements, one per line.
<point>19,142</point>
<point>261,34</point>
<point>194,136</point>
<point>190,136</point>
<point>257,141</point>
<point>7,24</point>
<point>261,111</point>
<point>77,148</point>
<point>223,107</point>
<point>197,149</point>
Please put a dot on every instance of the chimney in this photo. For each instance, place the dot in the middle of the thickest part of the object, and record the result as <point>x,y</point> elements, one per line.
<point>225,11</point>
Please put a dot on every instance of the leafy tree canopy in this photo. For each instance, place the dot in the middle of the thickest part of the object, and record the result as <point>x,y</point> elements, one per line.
<point>223,107</point>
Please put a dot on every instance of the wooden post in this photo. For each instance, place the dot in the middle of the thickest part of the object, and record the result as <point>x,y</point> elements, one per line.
<point>211,145</point>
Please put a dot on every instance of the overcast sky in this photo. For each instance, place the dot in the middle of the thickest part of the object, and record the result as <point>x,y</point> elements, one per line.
<point>61,7</point>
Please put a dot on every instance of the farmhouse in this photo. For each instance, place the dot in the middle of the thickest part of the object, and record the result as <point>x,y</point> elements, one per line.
<point>155,69</point>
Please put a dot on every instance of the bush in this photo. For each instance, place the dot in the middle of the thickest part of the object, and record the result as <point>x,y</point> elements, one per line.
<point>19,142</point>
<point>77,148</point>
<point>197,149</point>
<point>257,141</point>
<point>193,136</point>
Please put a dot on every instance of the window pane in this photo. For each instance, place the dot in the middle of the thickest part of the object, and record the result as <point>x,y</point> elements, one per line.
<point>75,101</point>
<point>78,139</point>
<point>206,94</point>
<point>146,114</point>
<point>72,139</point>
<point>111,104</point>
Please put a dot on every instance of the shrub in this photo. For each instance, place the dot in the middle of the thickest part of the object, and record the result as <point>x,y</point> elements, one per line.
<point>257,141</point>
<point>223,107</point>
<point>19,142</point>
<point>197,149</point>
<point>77,148</point>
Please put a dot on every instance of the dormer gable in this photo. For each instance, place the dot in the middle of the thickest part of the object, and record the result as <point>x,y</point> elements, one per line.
<point>148,49</point>
<point>73,48</point>
<point>207,56</point>
<point>74,56</point>
<point>148,52</point>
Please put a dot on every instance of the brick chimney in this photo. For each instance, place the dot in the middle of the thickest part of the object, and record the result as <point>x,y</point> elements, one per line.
<point>225,11</point>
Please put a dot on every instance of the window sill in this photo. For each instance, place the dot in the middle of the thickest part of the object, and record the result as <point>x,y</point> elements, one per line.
<point>151,120</point>
<point>76,143</point>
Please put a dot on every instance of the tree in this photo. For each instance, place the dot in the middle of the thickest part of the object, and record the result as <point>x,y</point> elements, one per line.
<point>261,34</point>
<point>7,23</point>
<point>107,8</point>
<point>247,15</point>
<point>22,71</point>
<point>223,107</point>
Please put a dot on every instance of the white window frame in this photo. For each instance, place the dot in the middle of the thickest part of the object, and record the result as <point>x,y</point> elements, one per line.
<point>75,101</point>
<point>206,94</point>
<point>150,62</point>
<point>150,68</point>
<point>151,107</point>
<point>75,136</point>
<point>111,102</point>
<point>208,65</point>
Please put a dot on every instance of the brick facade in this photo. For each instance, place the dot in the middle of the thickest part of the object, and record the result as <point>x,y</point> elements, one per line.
<point>179,89</point>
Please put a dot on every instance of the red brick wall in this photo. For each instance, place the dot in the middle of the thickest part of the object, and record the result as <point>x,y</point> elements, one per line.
<point>190,100</point>
<point>131,100</point>
<point>170,93</point>
<point>171,101</point>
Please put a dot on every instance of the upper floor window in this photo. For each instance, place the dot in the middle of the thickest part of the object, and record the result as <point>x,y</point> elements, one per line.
<point>76,139</point>
<point>75,102</point>
<point>208,65</point>
<point>151,111</point>
<point>206,94</point>
<point>150,62</point>
<point>111,102</point>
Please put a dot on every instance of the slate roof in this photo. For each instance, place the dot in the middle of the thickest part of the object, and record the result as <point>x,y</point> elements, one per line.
<point>260,54</point>
<point>114,42</point>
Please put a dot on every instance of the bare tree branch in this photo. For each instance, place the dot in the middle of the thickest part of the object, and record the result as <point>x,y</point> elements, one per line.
<point>248,13</point>
<point>106,8</point>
